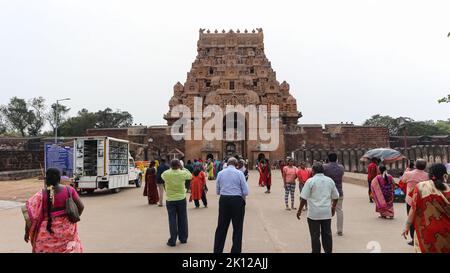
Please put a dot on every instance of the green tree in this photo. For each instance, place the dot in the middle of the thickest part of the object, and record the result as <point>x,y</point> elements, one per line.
<point>56,111</point>
<point>109,119</point>
<point>36,117</point>
<point>17,114</point>
<point>393,124</point>
<point>444,126</point>
<point>77,126</point>
<point>445,99</point>
<point>420,128</point>
<point>3,126</point>
<point>413,128</point>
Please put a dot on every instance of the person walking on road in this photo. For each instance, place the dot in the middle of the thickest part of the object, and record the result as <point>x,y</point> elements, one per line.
<point>160,181</point>
<point>232,188</point>
<point>48,226</point>
<point>151,189</point>
<point>322,196</point>
<point>383,194</point>
<point>174,179</point>
<point>265,174</point>
<point>430,213</point>
<point>411,179</point>
<point>242,167</point>
<point>335,171</point>
<point>289,176</point>
<point>303,174</point>
<point>190,167</point>
<point>199,188</point>
<point>372,172</point>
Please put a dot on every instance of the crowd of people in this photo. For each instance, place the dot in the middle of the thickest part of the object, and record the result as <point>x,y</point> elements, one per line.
<point>427,198</point>
<point>50,227</point>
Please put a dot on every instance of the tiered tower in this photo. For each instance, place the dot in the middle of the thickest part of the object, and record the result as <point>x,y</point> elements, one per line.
<point>231,68</point>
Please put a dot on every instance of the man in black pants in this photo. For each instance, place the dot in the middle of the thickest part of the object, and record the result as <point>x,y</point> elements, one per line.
<point>232,188</point>
<point>322,196</point>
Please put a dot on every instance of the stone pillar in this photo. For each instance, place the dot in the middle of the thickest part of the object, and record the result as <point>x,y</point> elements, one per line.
<point>321,154</point>
<point>316,155</point>
<point>353,161</point>
<point>340,154</point>
<point>432,151</point>
<point>425,153</point>
<point>346,160</point>
<point>360,164</point>
<point>363,163</point>
<point>414,154</point>
<point>446,154</point>
<point>397,165</point>
<point>310,156</point>
<point>438,151</point>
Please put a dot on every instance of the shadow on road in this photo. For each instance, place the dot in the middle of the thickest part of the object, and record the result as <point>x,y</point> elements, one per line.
<point>104,192</point>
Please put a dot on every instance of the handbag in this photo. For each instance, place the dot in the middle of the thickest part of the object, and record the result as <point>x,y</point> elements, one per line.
<point>72,208</point>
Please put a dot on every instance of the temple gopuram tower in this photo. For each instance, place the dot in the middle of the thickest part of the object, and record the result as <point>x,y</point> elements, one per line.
<point>231,68</point>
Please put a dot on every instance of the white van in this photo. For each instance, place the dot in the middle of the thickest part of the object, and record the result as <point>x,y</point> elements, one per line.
<point>104,162</point>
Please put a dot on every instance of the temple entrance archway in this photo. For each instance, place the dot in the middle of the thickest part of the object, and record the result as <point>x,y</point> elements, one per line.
<point>234,138</point>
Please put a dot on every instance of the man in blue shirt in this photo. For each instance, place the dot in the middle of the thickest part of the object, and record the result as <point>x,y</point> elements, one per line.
<point>232,188</point>
<point>335,171</point>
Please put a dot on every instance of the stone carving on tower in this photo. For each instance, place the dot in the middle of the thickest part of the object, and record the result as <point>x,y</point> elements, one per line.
<point>232,68</point>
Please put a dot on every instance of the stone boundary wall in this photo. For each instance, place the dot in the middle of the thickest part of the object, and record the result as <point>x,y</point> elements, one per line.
<point>21,157</point>
<point>334,136</point>
<point>350,158</point>
<point>19,175</point>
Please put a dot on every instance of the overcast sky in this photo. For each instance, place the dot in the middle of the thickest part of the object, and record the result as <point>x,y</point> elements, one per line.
<point>344,60</point>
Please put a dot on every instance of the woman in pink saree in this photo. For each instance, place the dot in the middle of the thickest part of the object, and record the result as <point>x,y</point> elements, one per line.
<point>382,187</point>
<point>48,229</point>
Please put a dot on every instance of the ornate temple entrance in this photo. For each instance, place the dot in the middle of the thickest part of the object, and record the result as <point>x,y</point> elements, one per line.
<point>230,149</point>
<point>234,143</point>
<point>232,69</point>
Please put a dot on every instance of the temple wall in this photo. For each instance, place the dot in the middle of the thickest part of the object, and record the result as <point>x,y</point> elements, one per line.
<point>350,157</point>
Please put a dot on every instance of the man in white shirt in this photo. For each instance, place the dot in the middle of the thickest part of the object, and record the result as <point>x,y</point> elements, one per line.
<point>321,194</point>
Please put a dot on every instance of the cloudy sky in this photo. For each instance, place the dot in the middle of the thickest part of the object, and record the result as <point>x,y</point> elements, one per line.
<point>344,60</point>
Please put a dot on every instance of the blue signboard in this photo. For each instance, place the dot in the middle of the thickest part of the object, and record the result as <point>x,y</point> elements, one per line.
<point>59,157</point>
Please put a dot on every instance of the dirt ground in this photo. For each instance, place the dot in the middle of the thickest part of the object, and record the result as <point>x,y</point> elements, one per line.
<point>19,190</point>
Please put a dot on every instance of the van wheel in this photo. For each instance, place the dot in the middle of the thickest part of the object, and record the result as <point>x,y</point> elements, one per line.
<point>89,191</point>
<point>116,190</point>
<point>138,181</point>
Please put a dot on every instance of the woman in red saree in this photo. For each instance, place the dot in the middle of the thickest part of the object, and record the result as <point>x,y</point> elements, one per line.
<point>382,188</point>
<point>265,177</point>
<point>150,189</point>
<point>48,228</point>
<point>430,213</point>
<point>199,188</point>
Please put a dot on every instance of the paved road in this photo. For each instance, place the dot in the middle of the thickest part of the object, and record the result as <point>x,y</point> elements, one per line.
<point>123,222</point>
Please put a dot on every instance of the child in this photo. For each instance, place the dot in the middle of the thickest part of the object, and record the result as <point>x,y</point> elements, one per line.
<point>199,188</point>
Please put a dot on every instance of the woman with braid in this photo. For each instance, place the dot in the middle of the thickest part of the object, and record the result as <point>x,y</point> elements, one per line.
<point>430,213</point>
<point>48,228</point>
